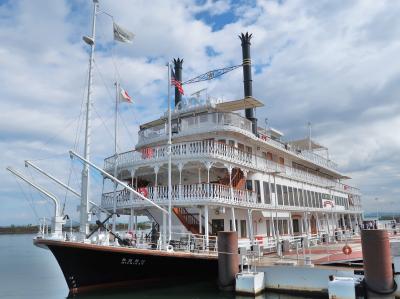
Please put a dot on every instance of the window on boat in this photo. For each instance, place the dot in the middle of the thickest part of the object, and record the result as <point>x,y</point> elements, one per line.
<point>282,226</point>
<point>309,198</point>
<point>257,190</point>
<point>281,161</point>
<point>227,119</point>
<point>296,197</point>
<point>301,196</point>
<point>222,141</point>
<point>243,229</point>
<point>232,143</point>
<point>191,121</point>
<point>305,196</point>
<point>268,228</point>
<point>279,194</point>
<point>203,118</point>
<point>296,226</point>
<point>269,156</point>
<point>291,201</point>
<point>230,225</point>
<point>319,200</point>
<point>313,201</point>
<point>255,227</point>
<point>249,185</point>
<point>217,225</point>
<point>285,196</point>
<point>267,197</point>
<point>241,146</point>
<point>272,188</point>
<point>249,149</point>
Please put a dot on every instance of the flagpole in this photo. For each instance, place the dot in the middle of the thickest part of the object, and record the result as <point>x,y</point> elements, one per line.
<point>114,217</point>
<point>83,226</point>
<point>169,157</point>
<point>116,116</point>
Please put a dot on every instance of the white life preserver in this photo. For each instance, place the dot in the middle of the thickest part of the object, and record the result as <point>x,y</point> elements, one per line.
<point>170,248</point>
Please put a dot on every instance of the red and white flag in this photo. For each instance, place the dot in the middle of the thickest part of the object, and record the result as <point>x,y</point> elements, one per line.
<point>124,96</point>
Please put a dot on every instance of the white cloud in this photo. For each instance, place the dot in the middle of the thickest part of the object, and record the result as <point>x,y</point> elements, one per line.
<point>332,63</point>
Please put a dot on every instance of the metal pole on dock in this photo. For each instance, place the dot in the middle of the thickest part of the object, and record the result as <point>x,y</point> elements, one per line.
<point>378,273</point>
<point>228,259</point>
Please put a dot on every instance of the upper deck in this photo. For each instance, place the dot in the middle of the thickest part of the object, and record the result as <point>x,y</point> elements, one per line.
<point>208,119</point>
<point>209,133</point>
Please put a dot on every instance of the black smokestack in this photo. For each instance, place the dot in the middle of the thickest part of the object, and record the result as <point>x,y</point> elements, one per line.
<point>178,76</point>
<point>247,80</point>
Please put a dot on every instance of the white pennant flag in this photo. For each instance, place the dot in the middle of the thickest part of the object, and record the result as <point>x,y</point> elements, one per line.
<point>122,35</point>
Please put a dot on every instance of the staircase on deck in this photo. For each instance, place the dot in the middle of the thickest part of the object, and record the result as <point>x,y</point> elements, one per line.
<point>238,179</point>
<point>189,220</point>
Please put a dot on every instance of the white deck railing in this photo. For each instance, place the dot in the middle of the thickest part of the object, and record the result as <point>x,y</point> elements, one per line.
<point>216,150</point>
<point>183,194</point>
<point>194,194</point>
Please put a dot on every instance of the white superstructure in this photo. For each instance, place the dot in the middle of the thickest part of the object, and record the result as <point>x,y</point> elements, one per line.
<point>225,177</point>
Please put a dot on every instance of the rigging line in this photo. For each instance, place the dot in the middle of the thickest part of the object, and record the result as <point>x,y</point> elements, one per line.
<point>26,198</point>
<point>66,190</point>
<point>78,130</point>
<point>117,74</point>
<point>104,124</point>
<point>80,121</point>
<point>111,97</point>
<point>130,134</point>
<point>106,87</point>
<point>79,126</point>
<point>109,94</point>
<point>58,134</point>
<point>104,82</point>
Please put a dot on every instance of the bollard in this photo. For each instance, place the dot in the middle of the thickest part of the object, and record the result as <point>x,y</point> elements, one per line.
<point>228,260</point>
<point>378,273</point>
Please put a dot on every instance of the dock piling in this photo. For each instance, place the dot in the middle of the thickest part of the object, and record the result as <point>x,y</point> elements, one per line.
<point>228,259</point>
<point>378,272</point>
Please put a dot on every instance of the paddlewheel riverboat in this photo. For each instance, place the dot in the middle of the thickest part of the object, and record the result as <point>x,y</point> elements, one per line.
<point>202,167</point>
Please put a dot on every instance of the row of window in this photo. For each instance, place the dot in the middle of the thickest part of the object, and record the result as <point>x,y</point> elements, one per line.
<point>249,150</point>
<point>279,224</point>
<point>292,196</point>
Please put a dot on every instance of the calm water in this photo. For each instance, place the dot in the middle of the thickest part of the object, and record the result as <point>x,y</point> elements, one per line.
<point>30,272</point>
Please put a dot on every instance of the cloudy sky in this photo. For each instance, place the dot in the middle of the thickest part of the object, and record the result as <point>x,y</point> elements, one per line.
<point>333,63</point>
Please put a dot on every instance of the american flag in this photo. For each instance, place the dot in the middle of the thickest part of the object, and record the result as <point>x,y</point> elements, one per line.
<point>176,83</point>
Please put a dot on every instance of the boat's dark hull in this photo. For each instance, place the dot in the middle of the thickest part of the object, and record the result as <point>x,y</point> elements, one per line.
<point>87,267</point>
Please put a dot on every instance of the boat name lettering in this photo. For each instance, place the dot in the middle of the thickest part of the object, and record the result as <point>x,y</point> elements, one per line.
<point>134,262</point>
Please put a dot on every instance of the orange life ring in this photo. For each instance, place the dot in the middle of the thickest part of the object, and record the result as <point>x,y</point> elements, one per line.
<point>347,250</point>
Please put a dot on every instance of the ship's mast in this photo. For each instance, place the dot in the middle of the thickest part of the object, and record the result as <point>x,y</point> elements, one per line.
<point>84,227</point>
